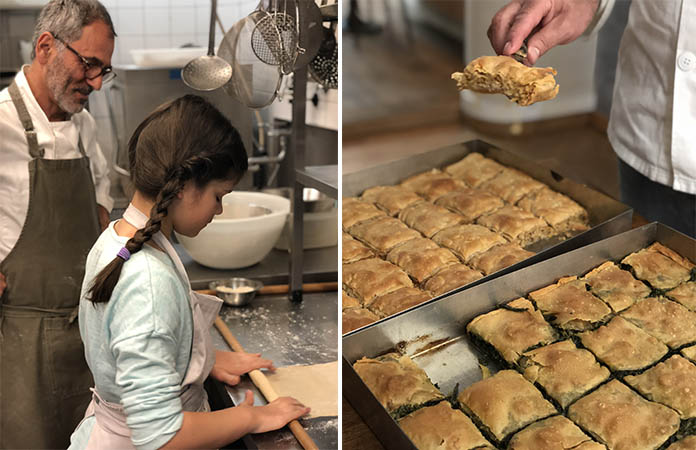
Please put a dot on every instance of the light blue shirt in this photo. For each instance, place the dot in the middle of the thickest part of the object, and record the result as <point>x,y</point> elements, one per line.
<point>138,345</point>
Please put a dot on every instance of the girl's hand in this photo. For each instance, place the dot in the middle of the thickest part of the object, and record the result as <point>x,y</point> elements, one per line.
<point>229,366</point>
<point>276,414</point>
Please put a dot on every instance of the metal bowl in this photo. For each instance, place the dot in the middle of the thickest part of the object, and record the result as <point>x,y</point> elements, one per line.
<point>236,291</point>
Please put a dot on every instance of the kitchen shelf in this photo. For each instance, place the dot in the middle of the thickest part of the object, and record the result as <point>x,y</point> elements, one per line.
<point>321,178</point>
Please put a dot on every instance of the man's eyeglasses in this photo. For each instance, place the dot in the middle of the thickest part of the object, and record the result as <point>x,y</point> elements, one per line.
<point>92,69</point>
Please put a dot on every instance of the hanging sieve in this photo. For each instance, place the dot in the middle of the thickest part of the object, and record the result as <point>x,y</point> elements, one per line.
<point>324,67</point>
<point>275,39</point>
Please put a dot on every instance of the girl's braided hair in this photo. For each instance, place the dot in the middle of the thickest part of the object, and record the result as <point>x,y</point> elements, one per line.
<point>185,139</point>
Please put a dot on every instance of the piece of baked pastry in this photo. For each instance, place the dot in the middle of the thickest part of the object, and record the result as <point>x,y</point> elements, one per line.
<point>672,383</point>
<point>504,403</point>
<point>517,225</point>
<point>558,210</point>
<point>421,258</point>
<point>353,250</point>
<point>451,277</point>
<point>623,346</point>
<point>685,294</point>
<point>348,301</point>
<point>564,371</point>
<point>383,233</point>
<point>468,240</point>
<point>689,352</point>
<point>688,443</point>
<point>511,185</point>
<point>369,278</point>
<point>441,427</point>
<point>660,266</point>
<point>474,169</point>
<point>397,383</point>
<point>420,181</point>
<point>512,329</point>
<point>394,302</point>
<point>354,318</point>
<point>668,321</point>
<point>355,211</point>
<point>471,203</point>
<point>554,433</point>
<point>390,199</point>
<point>428,218</point>
<point>569,305</point>
<point>623,420</point>
<point>616,287</point>
<point>503,75</point>
<point>499,257</point>
<point>433,185</point>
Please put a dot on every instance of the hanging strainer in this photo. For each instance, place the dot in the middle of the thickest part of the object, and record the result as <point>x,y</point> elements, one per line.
<point>324,67</point>
<point>275,38</point>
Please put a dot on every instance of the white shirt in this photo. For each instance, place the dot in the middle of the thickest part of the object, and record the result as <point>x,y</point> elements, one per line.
<point>652,126</point>
<point>59,139</point>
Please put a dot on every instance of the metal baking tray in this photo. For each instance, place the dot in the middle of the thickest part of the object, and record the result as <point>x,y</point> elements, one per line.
<point>434,335</point>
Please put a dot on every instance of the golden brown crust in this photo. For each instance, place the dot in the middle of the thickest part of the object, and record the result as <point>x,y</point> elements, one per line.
<point>511,185</point>
<point>354,318</point>
<point>391,199</point>
<point>474,169</point>
<point>428,218</point>
<point>512,332</point>
<point>352,250</point>
<point>623,346</point>
<point>558,210</point>
<point>396,381</point>
<point>554,433</point>
<point>685,294</point>
<point>660,266</point>
<point>468,240</point>
<point>499,257</point>
<point>354,211</point>
<point>668,321</point>
<point>570,305</point>
<point>623,420</point>
<point>563,370</point>
<point>517,225</point>
<point>397,301</point>
<point>383,233</point>
<point>616,287</point>
<point>505,403</point>
<point>471,203</point>
<point>451,277</point>
<point>503,75</point>
<point>349,302</point>
<point>441,427</point>
<point>421,258</point>
<point>689,352</point>
<point>420,181</point>
<point>688,443</point>
<point>372,277</point>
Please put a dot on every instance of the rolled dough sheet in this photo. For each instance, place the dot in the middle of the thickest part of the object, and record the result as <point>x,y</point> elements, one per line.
<point>315,386</point>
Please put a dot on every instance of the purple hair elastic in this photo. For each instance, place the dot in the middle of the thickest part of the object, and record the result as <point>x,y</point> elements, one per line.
<point>124,254</point>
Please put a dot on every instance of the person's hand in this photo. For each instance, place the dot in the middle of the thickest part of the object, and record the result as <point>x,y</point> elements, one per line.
<point>3,284</point>
<point>276,414</point>
<point>229,366</point>
<point>553,22</point>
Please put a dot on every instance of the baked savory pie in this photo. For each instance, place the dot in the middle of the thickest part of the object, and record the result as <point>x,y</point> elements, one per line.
<point>616,287</point>
<point>383,233</point>
<point>468,240</point>
<point>512,329</point>
<point>672,383</point>
<point>397,383</point>
<point>432,185</point>
<point>474,169</point>
<point>373,277</point>
<point>688,443</point>
<point>349,302</point>
<point>428,218</point>
<point>355,211</point>
<point>563,214</point>
<point>623,346</point>
<point>499,257</point>
<point>511,185</point>
<point>664,319</point>
<point>471,203</point>
<point>503,75</point>
<point>569,305</point>
<point>396,301</point>
<point>554,433</point>
<point>685,294</point>
<point>451,277</point>
<point>353,250</point>
<point>421,257</point>
<point>517,225</point>
<point>419,181</point>
<point>622,419</point>
<point>563,370</point>
<point>690,352</point>
<point>660,266</point>
<point>441,427</point>
<point>391,199</point>
<point>354,318</point>
<point>505,403</point>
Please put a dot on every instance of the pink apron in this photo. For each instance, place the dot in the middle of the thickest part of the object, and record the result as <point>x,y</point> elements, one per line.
<point>110,429</point>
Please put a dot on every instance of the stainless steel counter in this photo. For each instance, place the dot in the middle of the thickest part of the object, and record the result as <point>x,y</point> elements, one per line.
<point>288,333</point>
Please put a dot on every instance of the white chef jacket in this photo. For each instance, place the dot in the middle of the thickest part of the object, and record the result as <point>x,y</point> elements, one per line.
<point>653,116</point>
<point>59,139</point>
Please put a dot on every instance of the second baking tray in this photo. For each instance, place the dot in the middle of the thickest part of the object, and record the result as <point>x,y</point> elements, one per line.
<point>434,335</point>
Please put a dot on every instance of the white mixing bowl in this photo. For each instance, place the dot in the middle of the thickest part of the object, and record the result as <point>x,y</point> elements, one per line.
<point>243,234</point>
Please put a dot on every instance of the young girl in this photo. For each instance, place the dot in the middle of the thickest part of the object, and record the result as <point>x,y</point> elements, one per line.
<point>146,334</point>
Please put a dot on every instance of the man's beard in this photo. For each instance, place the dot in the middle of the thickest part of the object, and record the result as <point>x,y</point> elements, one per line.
<point>62,87</point>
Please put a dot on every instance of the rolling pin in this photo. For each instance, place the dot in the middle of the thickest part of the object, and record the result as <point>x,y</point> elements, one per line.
<point>262,383</point>
<point>283,288</point>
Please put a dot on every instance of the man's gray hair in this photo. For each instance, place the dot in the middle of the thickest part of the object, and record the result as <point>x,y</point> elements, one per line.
<point>67,18</point>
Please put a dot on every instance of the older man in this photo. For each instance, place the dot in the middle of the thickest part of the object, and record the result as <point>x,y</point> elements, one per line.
<point>54,196</point>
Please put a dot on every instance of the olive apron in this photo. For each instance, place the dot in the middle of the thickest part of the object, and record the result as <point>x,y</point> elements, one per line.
<point>44,379</point>
<point>110,430</point>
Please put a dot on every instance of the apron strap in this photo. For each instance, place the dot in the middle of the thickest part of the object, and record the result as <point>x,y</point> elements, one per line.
<point>25,118</point>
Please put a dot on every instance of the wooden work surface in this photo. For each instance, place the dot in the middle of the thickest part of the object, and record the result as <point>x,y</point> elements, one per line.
<point>356,434</point>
